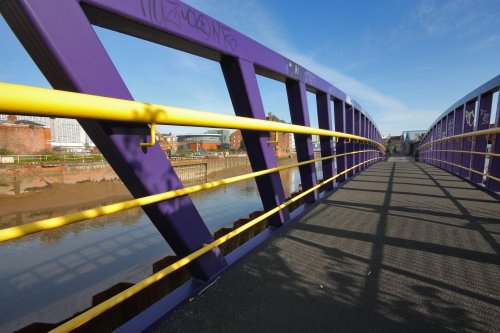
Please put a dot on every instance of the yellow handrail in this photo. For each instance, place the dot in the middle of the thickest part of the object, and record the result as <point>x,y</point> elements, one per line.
<point>495,130</point>
<point>56,222</point>
<point>18,99</point>
<point>468,169</point>
<point>466,151</point>
<point>117,299</point>
<point>152,141</point>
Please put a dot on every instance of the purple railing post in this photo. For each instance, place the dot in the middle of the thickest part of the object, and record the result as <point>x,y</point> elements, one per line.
<point>457,143</point>
<point>243,89</point>
<point>296,92</point>
<point>494,165</point>
<point>450,127</point>
<point>469,115</point>
<point>432,148</point>
<point>369,135</point>
<point>323,104</point>
<point>480,142</point>
<point>60,39</point>
<point>441,145</point>
<point>339,114</point>
<point>362,146</point>
<point>356,131</point>
<point>349,126</point>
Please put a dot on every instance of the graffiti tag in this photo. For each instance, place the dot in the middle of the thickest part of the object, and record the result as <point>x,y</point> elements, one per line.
<point>170,12</point>
<point>451,125</point>
<point>469,117</point>
<point>484,115</point>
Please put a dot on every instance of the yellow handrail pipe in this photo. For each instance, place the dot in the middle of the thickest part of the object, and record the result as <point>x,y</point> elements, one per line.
<point>19,99</point>
<point>152,141</point>
<point>119,298</point>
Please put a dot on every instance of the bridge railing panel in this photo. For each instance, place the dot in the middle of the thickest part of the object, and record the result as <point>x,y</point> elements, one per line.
<point>60,38</point>
<point>464,139</point>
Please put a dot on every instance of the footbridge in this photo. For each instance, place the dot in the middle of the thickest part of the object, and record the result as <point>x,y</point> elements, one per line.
<point>378,244</point>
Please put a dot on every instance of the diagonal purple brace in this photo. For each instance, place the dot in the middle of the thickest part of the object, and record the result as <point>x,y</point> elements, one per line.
<point>480,143</point>
<point>349,128</point>
<point>60,39</point>
<point>468,126</point>
<point>494,165</point>
<point>340,147</point>
<point>296,92</point>
<point>245,96</point>
<point>325,122</point>
<point>457,143</point>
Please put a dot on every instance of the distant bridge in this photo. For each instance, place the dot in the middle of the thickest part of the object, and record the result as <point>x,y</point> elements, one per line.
<point>375,245</point>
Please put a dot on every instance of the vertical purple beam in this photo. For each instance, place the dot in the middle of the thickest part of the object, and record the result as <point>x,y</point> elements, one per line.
<point>63,44</point>
<point>482,123</point>
<point>457,143</point>
<point>244,92</point>
<point>441,145</point>
<point>363,133</point>
<point>340,147</point>
<point>448,144</point>
<point>349,126</point>
<point>296,92</point>
<point>469,115</point>
<point>356,145</point>
<point>325,122</point>
<point>494,166</point>
<point>368,146</point>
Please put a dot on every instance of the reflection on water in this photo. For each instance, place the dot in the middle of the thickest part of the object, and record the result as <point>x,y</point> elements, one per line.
<point>51,275</point>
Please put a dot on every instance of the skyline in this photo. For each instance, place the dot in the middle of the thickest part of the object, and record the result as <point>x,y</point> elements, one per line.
<point>404,62</point>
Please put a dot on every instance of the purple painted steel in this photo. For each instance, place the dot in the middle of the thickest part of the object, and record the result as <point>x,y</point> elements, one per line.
<point>323,104</point>
<point>450,128</point>
<point>245,96</point>
<point>469,116</point>
<point>457,143</point>
<point>68,52</point>
<point>482,123</point>
<point>340,147</point>
<point>494,166</point>
<point>356,145</point>
<point>296,92</point>
<point>175,24</point>
<point>349,127</point>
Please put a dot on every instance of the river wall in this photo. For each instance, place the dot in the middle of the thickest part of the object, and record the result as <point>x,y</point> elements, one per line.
<point>19,179</point>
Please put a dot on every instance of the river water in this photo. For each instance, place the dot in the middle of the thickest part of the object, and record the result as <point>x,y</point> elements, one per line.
<point>49,276</point>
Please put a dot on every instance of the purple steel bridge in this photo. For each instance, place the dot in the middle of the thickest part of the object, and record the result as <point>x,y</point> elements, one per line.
<point>461,145</point>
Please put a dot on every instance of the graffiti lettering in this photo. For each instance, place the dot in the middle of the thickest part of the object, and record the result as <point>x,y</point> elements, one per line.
<point>484,115</point>
<point>170,12</point>
<point>451,125</point>
<point>469,117</point>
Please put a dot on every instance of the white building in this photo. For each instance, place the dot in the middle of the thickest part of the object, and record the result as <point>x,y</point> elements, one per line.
<point>66,134</point>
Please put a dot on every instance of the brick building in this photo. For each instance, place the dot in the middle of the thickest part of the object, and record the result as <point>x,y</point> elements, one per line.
<point>282,148</point>
<point>23,137</point>
<point>235,140</point>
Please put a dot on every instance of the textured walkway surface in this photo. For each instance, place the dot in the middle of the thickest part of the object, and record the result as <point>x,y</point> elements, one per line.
<point>403,247</point>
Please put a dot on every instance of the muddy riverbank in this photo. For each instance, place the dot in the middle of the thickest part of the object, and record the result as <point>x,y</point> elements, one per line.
<point>90,189</point>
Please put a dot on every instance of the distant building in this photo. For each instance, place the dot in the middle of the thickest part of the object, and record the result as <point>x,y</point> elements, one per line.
<point>394,142</point>
<point>410,141</point>
<point>224,137</point>
<point>199,141</point>
<point>282,147</point>
<point>169,143</point>
<point>23,136</point>
<point>66,134</point>
<point>235,140</point>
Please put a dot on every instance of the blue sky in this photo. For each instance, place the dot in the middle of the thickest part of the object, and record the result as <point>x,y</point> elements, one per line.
<point>404,61</point>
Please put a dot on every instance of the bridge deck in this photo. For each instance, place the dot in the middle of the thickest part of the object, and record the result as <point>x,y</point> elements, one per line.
<point>402,247</point>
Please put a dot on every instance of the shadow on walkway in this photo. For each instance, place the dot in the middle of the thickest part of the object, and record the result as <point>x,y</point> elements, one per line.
<point>391,255</point>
